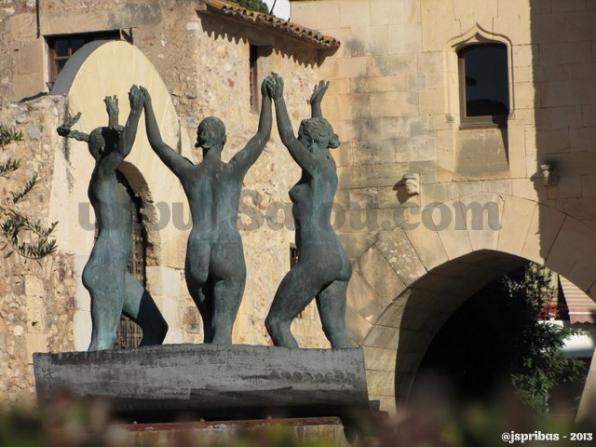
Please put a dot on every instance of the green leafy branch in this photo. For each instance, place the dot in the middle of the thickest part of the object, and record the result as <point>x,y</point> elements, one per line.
<point>17,196</point>
<point>9,166</point>
<point>15,226</point>
<point>8,135</point>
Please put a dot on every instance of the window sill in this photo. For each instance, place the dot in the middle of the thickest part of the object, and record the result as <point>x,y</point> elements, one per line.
<point>492,123</point>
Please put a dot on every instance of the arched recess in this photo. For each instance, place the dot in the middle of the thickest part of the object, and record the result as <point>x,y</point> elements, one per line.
<point>410,279</point>
<point>149,212</point>
<point>97,70</point>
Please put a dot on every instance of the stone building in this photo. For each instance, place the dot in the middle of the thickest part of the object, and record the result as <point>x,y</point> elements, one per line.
<point>468,131</point>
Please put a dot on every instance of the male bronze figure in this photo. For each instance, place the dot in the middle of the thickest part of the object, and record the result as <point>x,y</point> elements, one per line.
<point>215,269</point>
<point>112,288</point>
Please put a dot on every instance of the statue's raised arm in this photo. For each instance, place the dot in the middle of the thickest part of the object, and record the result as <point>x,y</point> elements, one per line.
<point>65,129</point>
<point>172,159</point>
<point>113,111</point>
<point>297,149</point>
<point>244,159</point>
<point>125,135</point>
<point>317,97</point>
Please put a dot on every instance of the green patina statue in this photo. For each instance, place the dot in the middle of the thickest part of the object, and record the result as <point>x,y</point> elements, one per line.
<point>323,269</point>
<point>112,288</point>
<point>215,269</point>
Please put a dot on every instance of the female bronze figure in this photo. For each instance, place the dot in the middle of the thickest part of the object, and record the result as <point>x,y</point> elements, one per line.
<point>215,269</point>
<point>323,269</point>
<point>112,288</point>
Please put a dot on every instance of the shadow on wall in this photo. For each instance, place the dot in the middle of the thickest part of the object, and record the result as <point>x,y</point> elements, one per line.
<point>563,71</point>
<point>302,55</point>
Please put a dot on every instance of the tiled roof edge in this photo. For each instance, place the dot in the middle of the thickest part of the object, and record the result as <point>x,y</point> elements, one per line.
<point>274,24</point>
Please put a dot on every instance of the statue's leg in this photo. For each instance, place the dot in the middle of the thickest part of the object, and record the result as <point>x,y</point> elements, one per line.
<point>197,275</point>
<point>139,305</point>
<point>293,295</point>
<point>228,265</point>
<point>227,295</point>
<point>106,287</point>
<point>332,310</point>
<point>203,298</point>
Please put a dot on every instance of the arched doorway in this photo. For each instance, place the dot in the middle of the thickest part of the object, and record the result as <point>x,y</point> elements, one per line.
<point>514,338</point>
<point>410,280</point>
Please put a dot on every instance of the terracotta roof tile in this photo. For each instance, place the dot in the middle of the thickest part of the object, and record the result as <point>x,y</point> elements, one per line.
<point>582,309</point>
<point>275,24</point>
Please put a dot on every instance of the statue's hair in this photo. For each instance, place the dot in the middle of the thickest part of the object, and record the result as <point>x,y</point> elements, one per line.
<point>321,131</point>
<point>212,130</point>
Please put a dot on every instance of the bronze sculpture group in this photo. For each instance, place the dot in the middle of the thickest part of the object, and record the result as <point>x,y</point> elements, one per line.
<point>215,269</point>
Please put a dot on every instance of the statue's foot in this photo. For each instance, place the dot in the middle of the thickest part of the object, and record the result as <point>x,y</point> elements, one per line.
<point>280,333</point>
<point>342,342</point>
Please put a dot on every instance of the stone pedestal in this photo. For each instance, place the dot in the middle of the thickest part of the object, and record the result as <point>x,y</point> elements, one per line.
<point>210,381</point>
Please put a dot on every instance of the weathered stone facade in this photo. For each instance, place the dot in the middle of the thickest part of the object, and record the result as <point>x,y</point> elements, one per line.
<point>36,304</point>
<point>395,101</point>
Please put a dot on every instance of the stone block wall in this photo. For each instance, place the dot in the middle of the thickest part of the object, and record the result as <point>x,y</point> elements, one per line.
<point>394,101</point>
<point>36,297</point>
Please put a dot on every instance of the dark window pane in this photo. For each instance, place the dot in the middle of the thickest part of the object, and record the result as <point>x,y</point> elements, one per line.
<point>486,79</point>
<point>75,44</point>
<point>61,47</point>
<point>64,46</point>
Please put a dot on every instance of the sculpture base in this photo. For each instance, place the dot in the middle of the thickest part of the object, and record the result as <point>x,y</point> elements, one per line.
<point>209,381</point>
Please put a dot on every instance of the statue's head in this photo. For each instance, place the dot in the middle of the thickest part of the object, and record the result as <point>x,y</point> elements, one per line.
<point>101,140</point>
<point>211,133</point>
<point>317,132</point>
<point>97,142</point>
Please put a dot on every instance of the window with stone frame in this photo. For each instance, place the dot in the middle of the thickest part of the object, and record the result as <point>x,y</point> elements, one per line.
<point>61,47</point>
<point>484,84</point>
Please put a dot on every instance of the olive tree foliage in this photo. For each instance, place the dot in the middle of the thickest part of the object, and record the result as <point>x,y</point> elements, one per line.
<point>21,234</point>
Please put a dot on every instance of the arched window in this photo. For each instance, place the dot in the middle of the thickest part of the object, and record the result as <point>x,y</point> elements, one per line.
<point>484,83</point>
<point>129,333</point>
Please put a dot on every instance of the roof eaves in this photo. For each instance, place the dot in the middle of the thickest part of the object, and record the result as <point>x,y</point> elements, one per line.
<point>266,21</point>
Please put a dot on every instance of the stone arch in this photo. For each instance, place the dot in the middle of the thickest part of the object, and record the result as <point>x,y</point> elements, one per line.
<point>410,279</point>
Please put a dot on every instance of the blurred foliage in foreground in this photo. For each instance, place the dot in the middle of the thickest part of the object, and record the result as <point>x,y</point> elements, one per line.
<point>429,420</point>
